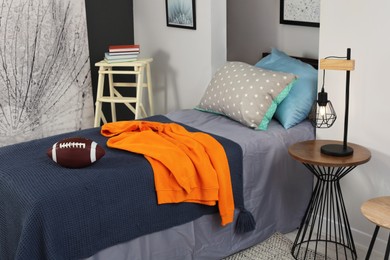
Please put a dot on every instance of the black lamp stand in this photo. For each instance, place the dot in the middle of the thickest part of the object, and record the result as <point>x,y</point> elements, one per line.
<point>342,149</point>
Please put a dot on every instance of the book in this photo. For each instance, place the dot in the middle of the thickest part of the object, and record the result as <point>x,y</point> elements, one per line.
<point>122,48</point>
<point>108,56</point>
<point>119,60</point>
<point>122,53</point>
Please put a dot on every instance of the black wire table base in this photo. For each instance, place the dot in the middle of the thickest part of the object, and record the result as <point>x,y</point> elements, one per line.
<point>325,227</point>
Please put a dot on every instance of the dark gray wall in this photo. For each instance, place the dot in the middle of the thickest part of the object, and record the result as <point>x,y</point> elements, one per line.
<point>251,29</point>
<point>108,22</point>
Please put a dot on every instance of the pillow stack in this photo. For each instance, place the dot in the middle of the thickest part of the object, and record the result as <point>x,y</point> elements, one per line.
<point>278,86</point>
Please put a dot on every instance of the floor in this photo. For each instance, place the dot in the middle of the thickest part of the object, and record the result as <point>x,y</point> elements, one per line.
<point>361,252</point>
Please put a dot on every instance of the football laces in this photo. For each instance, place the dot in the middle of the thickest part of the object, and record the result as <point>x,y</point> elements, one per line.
<point>72,145</point>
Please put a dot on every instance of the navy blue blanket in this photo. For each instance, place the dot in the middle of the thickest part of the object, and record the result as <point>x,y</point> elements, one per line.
<point>50,212</point>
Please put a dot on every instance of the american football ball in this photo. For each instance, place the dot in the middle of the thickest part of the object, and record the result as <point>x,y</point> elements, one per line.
<point>75,152</point>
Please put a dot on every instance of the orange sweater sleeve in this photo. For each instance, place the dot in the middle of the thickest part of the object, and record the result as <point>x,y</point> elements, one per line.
<point>220,163</point>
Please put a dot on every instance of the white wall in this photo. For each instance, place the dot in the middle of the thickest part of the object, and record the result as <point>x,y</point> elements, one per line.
<point>363,26</point>
<point>298,41</point>
<point>184,60</point>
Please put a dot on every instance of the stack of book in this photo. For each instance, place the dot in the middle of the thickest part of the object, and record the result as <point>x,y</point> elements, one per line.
<point>122,53</point>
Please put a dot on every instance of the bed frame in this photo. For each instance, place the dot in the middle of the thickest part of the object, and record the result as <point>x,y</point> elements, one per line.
<point>285,192</point>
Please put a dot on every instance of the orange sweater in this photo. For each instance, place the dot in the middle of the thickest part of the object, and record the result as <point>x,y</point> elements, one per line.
<point>188,167</point>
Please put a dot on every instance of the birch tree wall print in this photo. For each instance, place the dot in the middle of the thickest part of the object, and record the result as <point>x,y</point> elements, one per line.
<point>45,83</point>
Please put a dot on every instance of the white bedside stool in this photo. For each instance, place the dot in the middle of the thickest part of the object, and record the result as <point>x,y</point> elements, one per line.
<point>377,210</point>
<point>134,104</point>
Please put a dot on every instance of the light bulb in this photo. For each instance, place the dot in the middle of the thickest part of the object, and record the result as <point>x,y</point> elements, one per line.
<point>322,111</point>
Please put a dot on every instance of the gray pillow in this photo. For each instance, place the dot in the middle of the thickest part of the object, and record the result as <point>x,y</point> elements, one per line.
<point>246,93</point>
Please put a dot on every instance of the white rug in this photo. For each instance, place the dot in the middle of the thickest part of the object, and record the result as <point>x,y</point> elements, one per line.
<point>277,247</point>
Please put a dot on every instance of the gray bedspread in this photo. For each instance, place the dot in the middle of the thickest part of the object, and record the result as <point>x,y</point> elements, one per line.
<point>277,190</point>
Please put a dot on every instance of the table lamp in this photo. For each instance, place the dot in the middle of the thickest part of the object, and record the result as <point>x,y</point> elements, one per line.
<point>323,115</point>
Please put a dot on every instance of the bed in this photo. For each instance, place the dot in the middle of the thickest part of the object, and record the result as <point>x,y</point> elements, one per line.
<point>275,190</point>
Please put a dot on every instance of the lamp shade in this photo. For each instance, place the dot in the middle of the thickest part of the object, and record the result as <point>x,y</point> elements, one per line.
<point>322,114</point>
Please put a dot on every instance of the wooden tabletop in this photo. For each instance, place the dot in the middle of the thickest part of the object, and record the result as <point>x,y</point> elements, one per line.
<point>310,152</point>
<point>138,62</point>
<point>377,210</point>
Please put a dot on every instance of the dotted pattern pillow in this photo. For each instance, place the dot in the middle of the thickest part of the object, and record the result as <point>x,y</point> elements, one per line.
<point>246,93</point>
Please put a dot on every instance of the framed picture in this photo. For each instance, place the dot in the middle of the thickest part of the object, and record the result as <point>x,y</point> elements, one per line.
<point>181,13</point>
<point>300,12</point>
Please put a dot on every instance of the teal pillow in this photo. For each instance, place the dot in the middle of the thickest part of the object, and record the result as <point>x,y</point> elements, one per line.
<point>296,106</point>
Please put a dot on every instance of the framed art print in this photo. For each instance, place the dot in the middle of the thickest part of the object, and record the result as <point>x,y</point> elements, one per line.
<point>300,12</point>
<point>181,13</point>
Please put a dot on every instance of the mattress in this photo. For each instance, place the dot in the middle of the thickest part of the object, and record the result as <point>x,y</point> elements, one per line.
<point>277,190</point>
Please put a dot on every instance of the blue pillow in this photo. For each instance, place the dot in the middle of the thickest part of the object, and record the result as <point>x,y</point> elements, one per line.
<point>296,106</point>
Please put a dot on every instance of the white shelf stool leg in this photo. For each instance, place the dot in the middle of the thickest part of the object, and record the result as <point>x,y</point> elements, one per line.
<point>112,94</point>
<point>140,83</point>
<point>99,94</point>
<point>150,88</point>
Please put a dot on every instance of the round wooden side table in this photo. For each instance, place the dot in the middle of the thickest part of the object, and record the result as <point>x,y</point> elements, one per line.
<point>326,223</point>
<point>377,210</point>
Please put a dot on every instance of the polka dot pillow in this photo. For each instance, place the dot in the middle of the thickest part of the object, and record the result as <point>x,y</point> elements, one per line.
<point>247,94</point>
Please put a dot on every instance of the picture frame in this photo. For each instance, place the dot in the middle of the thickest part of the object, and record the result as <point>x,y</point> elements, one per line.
<point>300,12</point>
<point>181,13</point>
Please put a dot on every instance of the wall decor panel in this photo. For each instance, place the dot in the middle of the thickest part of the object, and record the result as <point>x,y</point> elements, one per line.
<point>45,82</point>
